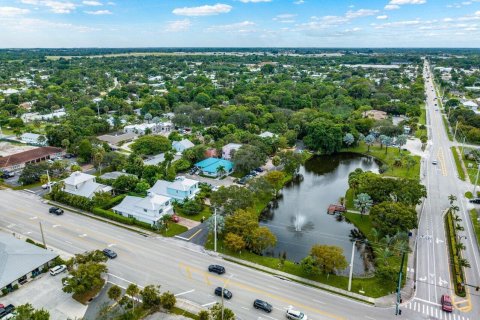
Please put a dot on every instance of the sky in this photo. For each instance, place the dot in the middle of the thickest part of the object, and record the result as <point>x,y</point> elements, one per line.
<point>239,23</point>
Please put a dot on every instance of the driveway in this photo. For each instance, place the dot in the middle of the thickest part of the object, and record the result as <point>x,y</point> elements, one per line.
<point>227,181</point>
<point>46,292</point>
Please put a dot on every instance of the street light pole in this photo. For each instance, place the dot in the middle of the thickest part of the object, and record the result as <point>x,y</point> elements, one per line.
<point>215,233</point>
<point>351,267</point>
<point>49,184</point>
<point>399,299</point>
<point>476,181</point>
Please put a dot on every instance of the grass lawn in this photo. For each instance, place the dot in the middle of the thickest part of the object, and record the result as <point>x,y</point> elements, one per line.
<point>173,230</point>
<point>28,186</point>
<point>184,313</point>
<point>458,164</point>
<point>372,287</point>
<point>85,297</point>
<point>422,120</point>
<point>388,159</point>
<point>349,199</point>
<point>206,212</point>
<point>471,166</point>
<point>445,123</point>
<point>476,223</point>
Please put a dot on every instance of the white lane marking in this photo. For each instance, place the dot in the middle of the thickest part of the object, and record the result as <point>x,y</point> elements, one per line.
<point>245,308</point>
<point>28,232</point>
<point>208,304</point>
<point>120,278</point>
<point>182,293</point>
<point>56,225</point>
<point>82,235</point>
<point>426,301</point>
<point>280,309</point>
<point>66,241</point>
<point>33,218</point>
<point>423,308</point>
<point>268,317</point>
<point>318,301</point>
<point>111,245</point>
<point>370,318</point>
<point>11,225</point>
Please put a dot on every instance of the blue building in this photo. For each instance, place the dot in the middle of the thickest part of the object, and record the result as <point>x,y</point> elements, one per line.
<point>179,190</point>
<point>210,166</point>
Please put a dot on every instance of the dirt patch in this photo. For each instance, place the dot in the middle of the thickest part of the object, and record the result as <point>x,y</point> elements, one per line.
<point>7,148</point>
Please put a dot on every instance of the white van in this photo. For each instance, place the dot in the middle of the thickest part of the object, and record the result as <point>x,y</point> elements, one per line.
<point>58,269</point>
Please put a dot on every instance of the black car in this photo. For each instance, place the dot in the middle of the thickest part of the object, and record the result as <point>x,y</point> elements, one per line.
<point>475,200</point>
<point>56,211</point>
<point>216,268</point>
<point>7,174</point>
<point>258,170</point>
<point>7,310</point>
<point>226,293</point>
<point>68,155</point>
<point>260,304</point>
<point>110,253</point>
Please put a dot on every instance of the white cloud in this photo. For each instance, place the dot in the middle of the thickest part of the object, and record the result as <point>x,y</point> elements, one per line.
<point>400,2</point>
<point>92,3</point>
<point>391,7</point>
<point>299,2</point>
<point>178,25</point>
<point>360,13</point>
<point>244,26</point>
<point>54,6</point>
<point>477,13</point>
<point>285,18</point>
<point>254,1</point>
<point>382,17</point>
<point>12,12</point>
<point>98,12</point>
<point>205,10</point>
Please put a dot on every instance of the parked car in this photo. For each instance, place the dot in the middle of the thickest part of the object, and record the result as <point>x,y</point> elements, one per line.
<point>475,200</point>
<point>175,218</point>
<point>6,310</point>
<point>434,162</point>
<point>259,170</point>
<point>242,181</point>
<point>260,304</point>
<point>446,302</point>
<point>48,184</point>
<point>226,293</point>
<point>68,155</point>
<point>58,269</point>
<point>216,269</point>
<point>295,314</point>
<point>7,174</point>
<point>56,211</point>
<point>110,253</point>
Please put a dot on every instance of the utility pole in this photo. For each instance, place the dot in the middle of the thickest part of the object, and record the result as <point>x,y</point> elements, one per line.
<point>351,267</point>
<point>43,237</point>
<point>215,235</point>
<point>455,134</point>
<point>49,184</point>
<point>399,286</point>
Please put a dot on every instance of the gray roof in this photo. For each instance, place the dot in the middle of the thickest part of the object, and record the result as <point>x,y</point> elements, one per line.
<point>18,258</point>
<point>115,174</point>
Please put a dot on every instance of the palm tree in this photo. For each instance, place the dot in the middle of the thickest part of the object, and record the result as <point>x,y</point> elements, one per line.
<point>221,171</point>
<point>375,234</point>
<point>452,198</point>
<point>460,246</point>
<point>383,254</point>
<point>369,140</point>
<point>458,227</point>
<point>462,262</point>
<point>133,291</point>
<point>363,202</point>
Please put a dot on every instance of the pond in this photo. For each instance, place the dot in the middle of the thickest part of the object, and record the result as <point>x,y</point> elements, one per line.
<point>299,217</point>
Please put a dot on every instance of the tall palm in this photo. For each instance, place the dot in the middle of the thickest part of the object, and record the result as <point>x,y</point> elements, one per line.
<point>363,202</point>
<point>452,199</point>
<point>383,254</point>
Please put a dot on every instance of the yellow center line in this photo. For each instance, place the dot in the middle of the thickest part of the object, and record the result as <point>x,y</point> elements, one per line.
<point>262,292</point>
<point>441,160</point>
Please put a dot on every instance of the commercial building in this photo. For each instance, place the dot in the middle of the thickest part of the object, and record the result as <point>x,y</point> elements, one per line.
<point>33,138</point>
<point>18,161</point>
<point>20,261</point>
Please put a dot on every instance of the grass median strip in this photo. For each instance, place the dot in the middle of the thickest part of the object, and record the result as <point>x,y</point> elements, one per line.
<point>476,224</point>
<point>455,255</point>
<point>458,164</point>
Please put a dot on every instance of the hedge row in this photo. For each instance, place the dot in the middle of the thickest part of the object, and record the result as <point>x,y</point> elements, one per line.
<point>119,218</point>
<point>115,201</point>
<point>72,200</point>
<point>457,271</point>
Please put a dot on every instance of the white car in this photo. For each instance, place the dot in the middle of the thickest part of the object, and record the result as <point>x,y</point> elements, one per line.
<point>48,185</point>
<point>295,314</point>
<point>58,269</point>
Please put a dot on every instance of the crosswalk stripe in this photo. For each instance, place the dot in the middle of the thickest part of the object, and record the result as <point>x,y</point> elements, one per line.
<point>423,308</point>
<point>436,313</point>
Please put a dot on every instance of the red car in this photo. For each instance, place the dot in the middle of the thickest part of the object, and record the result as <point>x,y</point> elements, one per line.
<point>446,302</point>
<point>175,218</point>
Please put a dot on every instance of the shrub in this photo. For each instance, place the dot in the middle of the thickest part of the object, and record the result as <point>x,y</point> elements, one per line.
<point>72,200</point>
<point>119,218</point>
<point>168,300</point>
<point>15,286</point>
<point>5,291</point>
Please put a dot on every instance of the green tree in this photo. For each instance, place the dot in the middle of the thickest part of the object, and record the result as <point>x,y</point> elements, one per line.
<point>125,183</point>
<point>276,180</point>
<point>168,300</point>
<point>369,141</point>
<point>216,313</point>
<point>401,140</point>
<point>114,293</point>
<point>133,291</point>
<point>27,312</point>
<point>102,199</point>
<point>262,239</point>
<point>248,157</point>
<point>242,223</point>
<point>142,186</point>
<point>390,217</point>
<point>151,297</point>
<point>329,258</point>
<point>309,265</point>
<point>85,277</point>
<point>363,202</point>
<point>203,315</point>
<point>276,161</point>
<point>348,139</point>
<point>291,161</point>
<point>234,242</point>
<point>150,145</point>
<point>85,150</point>
<point>324,135</point>
<point>231,199</point>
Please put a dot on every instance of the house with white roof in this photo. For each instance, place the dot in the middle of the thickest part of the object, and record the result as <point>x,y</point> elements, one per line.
<point>32,116</point>
<point>149,209</point>
<point>161,127</point>
<point>83,185</point>
<point>183,145</point>
<point>179,190</point>
<point>33,138</point>
<point>267,134</point>
<point>229,149</point>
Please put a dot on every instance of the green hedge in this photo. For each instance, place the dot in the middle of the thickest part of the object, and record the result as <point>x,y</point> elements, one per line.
<point>119,218</point>
<point>457,271</point>
<point>115,201</point>
<point>72,200</point>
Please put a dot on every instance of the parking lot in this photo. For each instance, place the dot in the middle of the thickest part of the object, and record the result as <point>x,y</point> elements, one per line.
<point>46,292</point>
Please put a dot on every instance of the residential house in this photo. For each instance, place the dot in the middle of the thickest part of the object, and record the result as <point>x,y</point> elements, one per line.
<point>18,161</point>
<point>267,134</point>
<point>32,116</point>
<point>211,167</point>
<point>115,174</point>
<point>21,261</point>
<point>149,209</point>
<point>179,190</point>
<point>153,161</point>
<point>211,153</point>
<point>33,138</point>
<point>161,127</point>
<point>115,140</point>
<point>83,185</point>
<point>183,145</point>
<point>229,149</point>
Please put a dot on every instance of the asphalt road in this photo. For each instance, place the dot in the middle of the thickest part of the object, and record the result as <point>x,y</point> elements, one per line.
<point>177,266</point>
<point>433,267</point>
